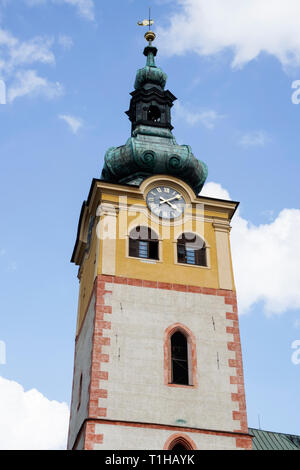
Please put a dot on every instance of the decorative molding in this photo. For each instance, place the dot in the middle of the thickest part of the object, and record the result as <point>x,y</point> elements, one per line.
<point>221,226</point>
<point>223,255</point>
<point>99,377</point>
<point>243,440</point>
<point>107,209</point>
<point>237,364</point>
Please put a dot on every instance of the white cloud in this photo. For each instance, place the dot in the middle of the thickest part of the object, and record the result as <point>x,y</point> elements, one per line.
<point>268,214</point>
<point>254,139</point>
<point>207,118</point>
<point>73,122</point>
<point>16,53</point>
<point>266,258</point>
<point>37,49</point>
<point>29,421</point>
<point>29,83</point>
<point>246,27</point>
<point>212,189</point>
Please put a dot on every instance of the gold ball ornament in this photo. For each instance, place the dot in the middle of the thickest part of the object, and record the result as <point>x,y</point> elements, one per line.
<point>150,36</point>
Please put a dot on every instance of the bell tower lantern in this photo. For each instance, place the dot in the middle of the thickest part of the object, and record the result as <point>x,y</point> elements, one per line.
<point>151,103</point>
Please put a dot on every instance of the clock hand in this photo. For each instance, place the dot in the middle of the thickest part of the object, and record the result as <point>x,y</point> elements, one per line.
<point>172,198</point>
<point>167,201</point>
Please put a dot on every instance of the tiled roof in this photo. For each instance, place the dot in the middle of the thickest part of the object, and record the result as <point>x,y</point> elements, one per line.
<point>266,440</point>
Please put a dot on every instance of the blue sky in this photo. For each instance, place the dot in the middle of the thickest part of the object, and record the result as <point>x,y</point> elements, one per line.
<point>69,67</point>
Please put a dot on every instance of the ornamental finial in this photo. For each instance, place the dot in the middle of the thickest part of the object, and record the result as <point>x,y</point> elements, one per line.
<point>150,35</point>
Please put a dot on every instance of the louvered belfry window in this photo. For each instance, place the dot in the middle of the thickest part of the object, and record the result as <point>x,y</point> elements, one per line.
<point>143,243</point>
<point>191,250</point>
<point>179,359</point>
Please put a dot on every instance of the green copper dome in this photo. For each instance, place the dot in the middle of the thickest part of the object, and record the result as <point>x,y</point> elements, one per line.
<point>153,151</point>
<point>150,75</point>
<point>152,148</point>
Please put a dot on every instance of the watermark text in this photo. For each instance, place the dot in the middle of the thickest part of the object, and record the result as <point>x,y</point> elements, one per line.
<point>2,92</point>
<point>296,354</point>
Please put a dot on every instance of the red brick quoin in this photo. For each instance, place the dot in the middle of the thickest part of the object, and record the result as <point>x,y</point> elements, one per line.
<point>98,389</point>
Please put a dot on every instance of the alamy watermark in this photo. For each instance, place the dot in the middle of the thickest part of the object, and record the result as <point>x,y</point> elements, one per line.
<point>296,354</point>
<point>134,216</point>
<point>2,353</point>
<point>296,95</point>
<point>2,92</point>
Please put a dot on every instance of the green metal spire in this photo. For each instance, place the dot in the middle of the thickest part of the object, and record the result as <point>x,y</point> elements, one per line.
<point>152,148</point>
<point>150,58</point>
<point>150,74</point>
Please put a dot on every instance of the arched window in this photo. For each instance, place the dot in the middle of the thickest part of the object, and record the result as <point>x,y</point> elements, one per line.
<point>179,447</point>
<point>179,443</point>
<point>191,249</point>
<point>143,243</point>
<point>179,359</point>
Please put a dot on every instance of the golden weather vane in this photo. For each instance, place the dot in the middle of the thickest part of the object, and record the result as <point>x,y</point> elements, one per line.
<point>148,22</point>
<point>150,36</point>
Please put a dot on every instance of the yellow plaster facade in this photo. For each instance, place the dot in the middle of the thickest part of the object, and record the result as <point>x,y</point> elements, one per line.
<point>119,208</point>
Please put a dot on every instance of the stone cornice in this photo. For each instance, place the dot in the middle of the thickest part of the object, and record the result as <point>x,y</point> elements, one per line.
<point>221,226</point>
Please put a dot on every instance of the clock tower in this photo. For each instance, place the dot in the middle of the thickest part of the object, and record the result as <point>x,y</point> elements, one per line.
<point>158,361</point>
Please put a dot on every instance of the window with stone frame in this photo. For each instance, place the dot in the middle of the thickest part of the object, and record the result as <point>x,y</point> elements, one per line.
<point>191,249</point>
<point>143,243</point>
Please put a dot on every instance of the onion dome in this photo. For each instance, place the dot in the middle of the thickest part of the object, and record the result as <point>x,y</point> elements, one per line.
<point>150,75</point>
<point>152,148</point>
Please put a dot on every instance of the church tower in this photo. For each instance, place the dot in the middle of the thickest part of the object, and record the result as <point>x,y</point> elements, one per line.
<point>158,361</point>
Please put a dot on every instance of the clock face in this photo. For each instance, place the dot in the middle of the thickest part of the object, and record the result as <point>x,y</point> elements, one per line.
<point>165,202</point>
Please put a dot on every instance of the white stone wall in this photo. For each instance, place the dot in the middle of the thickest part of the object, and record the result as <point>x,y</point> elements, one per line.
<point>82,366</point>
<point>136,438</point>
<point>136,388</point>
